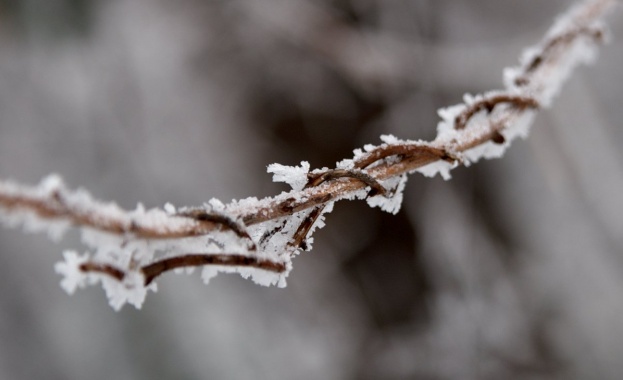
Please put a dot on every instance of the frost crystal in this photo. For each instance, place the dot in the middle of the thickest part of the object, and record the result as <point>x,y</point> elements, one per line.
<point>390,139</point>
<point>393,202</point>
<point>73,277</point>
<point>438,167</point>
<point>130,290</point>
<point>169,208</point>
<point>295,176</point>
<point>52,182</point>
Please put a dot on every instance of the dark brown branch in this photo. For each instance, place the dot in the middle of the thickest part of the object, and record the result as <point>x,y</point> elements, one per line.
<point>298,239</point>
<point>107,269</point>
<point>497,138</point>
<point>155,269</point>
<point>517,101</point>
<point>224,221</point>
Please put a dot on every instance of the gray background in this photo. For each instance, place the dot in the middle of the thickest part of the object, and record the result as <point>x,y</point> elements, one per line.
<point>513,269</point>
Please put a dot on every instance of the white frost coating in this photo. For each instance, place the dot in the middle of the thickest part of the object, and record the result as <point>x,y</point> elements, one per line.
<point>368,147</point>
<point>215,204</point>
<point>479,124</point>
<point>445,127</point>
<point>393,202</point>
<point>348,164</point>
<point>568,54</point>
<point>111,248</point>
<point>582,52</point>
<point>438,167</point>
<point>490,150</point>
<point>446,133</point>
<point>73,277</point>
<point>169,208</point>
<point>487,150</point>
<point>131,290</point>
<point>390,139</point>
<point>31,223</point>
<point>127,252</point>
<point>50,183</point>
<point>521,127</point>
<point>295,176</point>
<point>262,277</point>
<point>186,270</point>
<point>318,224</point>
<point>258,276</point>
<point>549,82</point>
<point>209,272</point>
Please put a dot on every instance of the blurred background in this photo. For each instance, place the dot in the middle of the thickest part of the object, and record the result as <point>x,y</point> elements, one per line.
<point>513,269</point>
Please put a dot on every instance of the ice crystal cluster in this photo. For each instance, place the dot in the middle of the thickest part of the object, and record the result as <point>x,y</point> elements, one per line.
<point>258,238</point>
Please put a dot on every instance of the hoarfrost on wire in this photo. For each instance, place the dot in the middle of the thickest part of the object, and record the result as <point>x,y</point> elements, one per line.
<point>271,240</point>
